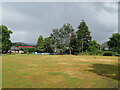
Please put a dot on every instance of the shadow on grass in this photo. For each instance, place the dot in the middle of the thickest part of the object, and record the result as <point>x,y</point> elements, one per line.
<point>106,70</point>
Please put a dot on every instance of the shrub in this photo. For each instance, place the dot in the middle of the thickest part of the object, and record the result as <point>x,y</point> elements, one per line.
<point>29,50</point>
<point>100,52</point>
<point>108,53</point>
<point>116,54</point>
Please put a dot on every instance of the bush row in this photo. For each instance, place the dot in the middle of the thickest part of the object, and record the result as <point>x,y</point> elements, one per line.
<point>102,53</point>
<point>110,53</point>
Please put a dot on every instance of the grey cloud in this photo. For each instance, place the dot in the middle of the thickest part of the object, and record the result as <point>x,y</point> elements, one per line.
<point>107,6</point>
<point>31,19</point>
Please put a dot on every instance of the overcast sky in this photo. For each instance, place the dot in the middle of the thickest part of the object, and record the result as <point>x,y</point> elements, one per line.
<point>28,20</point>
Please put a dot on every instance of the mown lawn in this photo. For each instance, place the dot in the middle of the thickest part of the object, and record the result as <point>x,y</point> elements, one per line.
<point>59,71</point>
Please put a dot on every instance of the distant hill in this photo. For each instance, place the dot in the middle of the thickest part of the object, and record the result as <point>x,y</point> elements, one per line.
<point>21,44</point>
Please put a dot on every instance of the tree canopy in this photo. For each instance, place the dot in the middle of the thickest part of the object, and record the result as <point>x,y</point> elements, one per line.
<point>40,44</point>
<point>48,45</point>
<point>83,37</point>
<point>4,37</point>
<point>114,42</point>
<point>62,38</point>
<point>94,47</point>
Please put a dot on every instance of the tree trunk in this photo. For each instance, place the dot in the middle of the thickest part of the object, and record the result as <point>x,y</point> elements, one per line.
<point>79,51</point>
<point>82,45</point>
<point>70,50</point>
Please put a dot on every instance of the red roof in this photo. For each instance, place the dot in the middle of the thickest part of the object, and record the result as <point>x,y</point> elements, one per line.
<point>25,46</point>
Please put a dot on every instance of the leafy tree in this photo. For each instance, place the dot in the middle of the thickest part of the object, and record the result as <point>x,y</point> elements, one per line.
<point>0,40</point>
<point>56,40</point>
<point>4,37</point>
<point>40,44</point>
<point>94,47</point>
<point>114,42</point>
<point>73,44</point>
<point>67,33</point>
<point>29,50</point>
<point>83,37</point>
<point>48,45</point>
<point>62,38</point>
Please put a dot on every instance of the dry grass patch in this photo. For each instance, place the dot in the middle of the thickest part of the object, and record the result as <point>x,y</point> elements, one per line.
<point>56,71</point>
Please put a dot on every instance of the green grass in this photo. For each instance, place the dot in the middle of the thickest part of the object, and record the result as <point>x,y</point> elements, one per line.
<point>58,74</point>
<point>59,71</point>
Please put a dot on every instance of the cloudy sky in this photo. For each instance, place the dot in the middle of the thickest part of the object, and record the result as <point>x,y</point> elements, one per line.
<point>28,20</point>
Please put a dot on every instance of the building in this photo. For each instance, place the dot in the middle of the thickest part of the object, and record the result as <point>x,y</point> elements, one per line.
<point>15,49</point>
<point>25,46</point>
<point>19,47</point>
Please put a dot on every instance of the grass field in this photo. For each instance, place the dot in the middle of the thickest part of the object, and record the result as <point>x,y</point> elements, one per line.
<point>59,71</point>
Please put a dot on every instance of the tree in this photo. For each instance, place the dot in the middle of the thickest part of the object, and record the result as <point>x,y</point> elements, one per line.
<point>67,33</point>
<point>56,40</point>
<point>29,50</point>
<point>83,37</point>
<point>0,39</point>
<point>4,37</point>
<point>94,47</point>
<point>40,44</point>
<point>48,45</point>
<point>114,42</point>
<point>62,38</point>
<point>73,44</point>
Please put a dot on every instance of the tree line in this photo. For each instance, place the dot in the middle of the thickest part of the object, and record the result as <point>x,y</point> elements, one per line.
<point>65,40</point>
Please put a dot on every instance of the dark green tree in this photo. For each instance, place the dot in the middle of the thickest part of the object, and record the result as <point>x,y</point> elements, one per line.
<point>0,39</point>
<point>94,47</point>
<point>40,44</point>
<point>4,38</point>
<point>48,45</point>
<point>29,50</point>
<point>114,42</point>
<point>83,37</point>
<point>73,44</point>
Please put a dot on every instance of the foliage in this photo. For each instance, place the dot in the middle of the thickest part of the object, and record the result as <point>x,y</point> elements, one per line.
<point>40,44</point>
<point>67,33</point>
<point>94,47</point>
<point>83,37</point>
<point>108,53</point>
<point>4,38</point>
<point>73,44</point>
<point>56,40</point>
<point>48,45</point>
<point>114,42</point>
<point>29,50</point>
<point>62,38</point>
<point>116,54</point>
